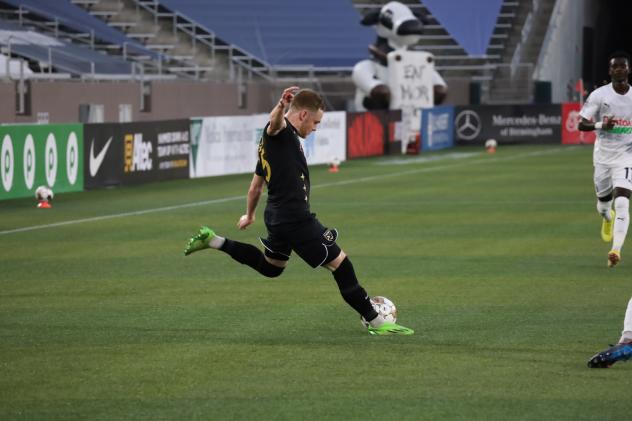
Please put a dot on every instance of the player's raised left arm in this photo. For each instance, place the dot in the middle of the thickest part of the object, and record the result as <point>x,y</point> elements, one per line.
<point>277,115</point>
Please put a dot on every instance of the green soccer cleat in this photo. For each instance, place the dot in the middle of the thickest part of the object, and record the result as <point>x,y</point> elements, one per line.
<point>389,328</point>
<point>199,241</point>
<point>606,228</point>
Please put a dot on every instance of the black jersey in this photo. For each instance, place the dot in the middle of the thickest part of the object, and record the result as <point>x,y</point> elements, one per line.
<point>282,163</point>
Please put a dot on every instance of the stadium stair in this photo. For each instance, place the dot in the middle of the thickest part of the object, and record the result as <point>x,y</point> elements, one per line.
<point>512,80</point>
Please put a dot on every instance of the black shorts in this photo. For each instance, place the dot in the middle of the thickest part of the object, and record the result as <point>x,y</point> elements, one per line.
<point>313,242</point>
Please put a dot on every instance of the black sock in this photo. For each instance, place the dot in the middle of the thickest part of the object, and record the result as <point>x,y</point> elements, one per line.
<point>352,291</point>
<point>250,255</point>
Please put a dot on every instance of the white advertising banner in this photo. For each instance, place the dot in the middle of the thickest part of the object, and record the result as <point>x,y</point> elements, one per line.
<point>225,145</point>
<point>228,145</point>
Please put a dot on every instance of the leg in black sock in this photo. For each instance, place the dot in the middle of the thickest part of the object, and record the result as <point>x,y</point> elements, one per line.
<point>352,292</point>
<point>250,255</point>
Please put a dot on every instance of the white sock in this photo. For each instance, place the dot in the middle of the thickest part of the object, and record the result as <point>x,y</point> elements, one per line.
<point>621,221</point>
<point>377,322</point>
<point>626,335</point>
<point>216,242</point>
<point>604,209</point>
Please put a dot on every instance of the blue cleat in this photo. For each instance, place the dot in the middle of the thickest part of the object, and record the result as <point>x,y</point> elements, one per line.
<point>605,359</point>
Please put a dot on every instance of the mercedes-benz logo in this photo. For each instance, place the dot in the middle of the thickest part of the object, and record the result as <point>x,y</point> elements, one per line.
<point>468,125</point>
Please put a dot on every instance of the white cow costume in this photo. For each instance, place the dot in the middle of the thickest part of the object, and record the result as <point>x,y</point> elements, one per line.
<point>397,29</point>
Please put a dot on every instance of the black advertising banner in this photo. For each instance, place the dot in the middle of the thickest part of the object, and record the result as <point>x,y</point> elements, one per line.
<point>135,153</point>
<point>102,162</point>
<point>508,124</point>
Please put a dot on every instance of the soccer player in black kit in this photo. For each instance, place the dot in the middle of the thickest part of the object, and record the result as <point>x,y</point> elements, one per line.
<point>291,226</point>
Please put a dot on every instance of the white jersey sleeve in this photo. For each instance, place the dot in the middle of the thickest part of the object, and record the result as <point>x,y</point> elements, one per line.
<point>590,109</point>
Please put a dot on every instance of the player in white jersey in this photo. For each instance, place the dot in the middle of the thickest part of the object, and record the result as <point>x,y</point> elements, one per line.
<point>608,110</point>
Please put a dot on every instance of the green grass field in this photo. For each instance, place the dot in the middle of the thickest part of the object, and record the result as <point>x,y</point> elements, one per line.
<point>494,260</point>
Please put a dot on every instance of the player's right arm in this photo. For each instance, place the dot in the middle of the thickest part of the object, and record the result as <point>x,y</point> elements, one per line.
<point>252,199</point>
<point>588,113</point>
<point>277,115</point>
<point>606,123</point>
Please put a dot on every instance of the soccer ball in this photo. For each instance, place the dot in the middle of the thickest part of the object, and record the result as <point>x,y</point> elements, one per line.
<point>44,193</point>
<point>491,145</point>
<point>384,307</point>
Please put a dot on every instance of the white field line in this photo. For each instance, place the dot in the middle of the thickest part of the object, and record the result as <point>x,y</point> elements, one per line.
<point>485,160</point>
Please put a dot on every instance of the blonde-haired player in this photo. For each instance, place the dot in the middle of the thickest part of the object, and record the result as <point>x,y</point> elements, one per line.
<point>291,226</point>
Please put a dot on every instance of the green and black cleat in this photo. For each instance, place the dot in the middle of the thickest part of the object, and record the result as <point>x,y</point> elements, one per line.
<point>199,241</point>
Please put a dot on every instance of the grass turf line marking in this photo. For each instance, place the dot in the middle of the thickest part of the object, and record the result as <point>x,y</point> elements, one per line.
<point>121,215</point>
<point>484,160</point>
<point>242,197</point>
<point>432,158</point>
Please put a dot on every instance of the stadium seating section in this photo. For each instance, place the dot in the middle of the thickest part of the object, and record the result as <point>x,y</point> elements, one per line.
<point>323,33</point>
<point>77,18</point>
<point>65,57</point>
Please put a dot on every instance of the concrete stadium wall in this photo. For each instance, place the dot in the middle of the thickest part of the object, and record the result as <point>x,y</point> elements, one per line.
<point>60,100</point>
<point>458,91</point>
<point>169,100</point>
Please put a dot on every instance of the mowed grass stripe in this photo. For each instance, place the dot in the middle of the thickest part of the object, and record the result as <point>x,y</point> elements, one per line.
<point>317,186</point>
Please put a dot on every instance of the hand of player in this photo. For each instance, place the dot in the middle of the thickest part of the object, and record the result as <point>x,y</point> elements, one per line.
<point>244,221</point>
<point>288,95</point>
<point>608,122</point>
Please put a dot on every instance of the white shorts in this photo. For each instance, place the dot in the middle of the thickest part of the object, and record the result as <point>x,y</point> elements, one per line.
<point>607,179</point>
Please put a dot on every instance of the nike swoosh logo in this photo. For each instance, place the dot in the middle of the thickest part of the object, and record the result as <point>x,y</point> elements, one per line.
<point>96,161</point>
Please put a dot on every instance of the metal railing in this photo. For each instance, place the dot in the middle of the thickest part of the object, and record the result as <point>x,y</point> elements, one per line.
<point>49,51</point>
<point>54,27</point>
<point>180,23</point>
<point>50,63</point>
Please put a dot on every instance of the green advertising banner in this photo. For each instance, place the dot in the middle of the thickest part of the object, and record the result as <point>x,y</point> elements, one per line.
<point>40,155</point>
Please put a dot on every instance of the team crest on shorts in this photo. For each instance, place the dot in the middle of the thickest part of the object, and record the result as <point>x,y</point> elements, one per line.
<point>330,235</point>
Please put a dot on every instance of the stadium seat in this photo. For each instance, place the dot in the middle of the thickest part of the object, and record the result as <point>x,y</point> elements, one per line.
<point>78,19</point>
<point>322,34</point>
<point>59,54</point>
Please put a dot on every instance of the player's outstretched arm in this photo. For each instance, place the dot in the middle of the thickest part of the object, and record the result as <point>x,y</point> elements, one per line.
<point>252,199</point>
<point>586,125</point>
<point>277,120</point>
